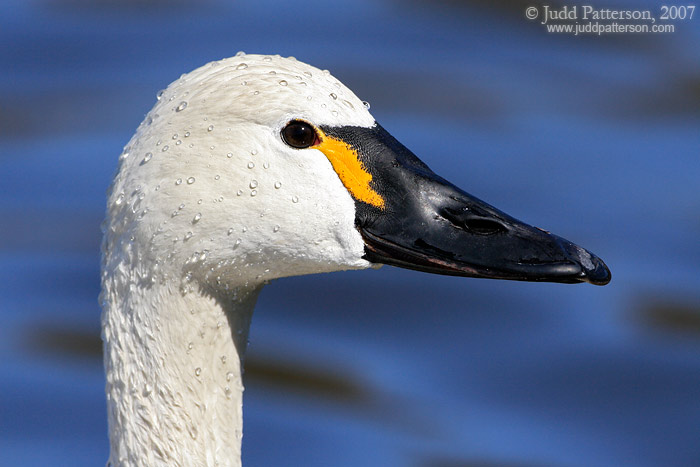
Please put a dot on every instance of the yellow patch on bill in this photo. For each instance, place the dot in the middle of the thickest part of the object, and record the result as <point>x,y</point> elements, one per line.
<point>346,163</point>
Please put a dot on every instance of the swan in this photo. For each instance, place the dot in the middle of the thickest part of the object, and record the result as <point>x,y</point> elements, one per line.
<point>250,169</point>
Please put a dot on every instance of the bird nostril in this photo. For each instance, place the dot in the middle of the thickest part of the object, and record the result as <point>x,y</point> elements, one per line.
<point>482,226</point>
<point>470,221</point>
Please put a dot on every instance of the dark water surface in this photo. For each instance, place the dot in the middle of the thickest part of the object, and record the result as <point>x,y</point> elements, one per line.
<point>595,138</point>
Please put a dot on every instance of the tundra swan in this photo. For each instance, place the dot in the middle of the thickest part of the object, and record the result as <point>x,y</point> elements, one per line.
<point>249,169</point>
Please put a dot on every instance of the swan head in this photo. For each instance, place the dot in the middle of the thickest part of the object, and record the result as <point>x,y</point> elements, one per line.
<point>258,167</point>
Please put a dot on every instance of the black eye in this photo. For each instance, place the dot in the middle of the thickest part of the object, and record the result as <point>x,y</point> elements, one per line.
<point>299,134</point>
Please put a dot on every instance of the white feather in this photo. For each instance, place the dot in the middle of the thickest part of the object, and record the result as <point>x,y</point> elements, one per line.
<point>207,204</point>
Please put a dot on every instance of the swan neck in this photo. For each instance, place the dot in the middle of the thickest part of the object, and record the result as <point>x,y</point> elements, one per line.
<point>173,364</point>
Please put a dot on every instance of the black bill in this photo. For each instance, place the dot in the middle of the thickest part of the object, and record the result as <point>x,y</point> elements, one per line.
<point>430,225</point>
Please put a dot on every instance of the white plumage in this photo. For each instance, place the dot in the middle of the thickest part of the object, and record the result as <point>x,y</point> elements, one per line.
<point>209,203</point>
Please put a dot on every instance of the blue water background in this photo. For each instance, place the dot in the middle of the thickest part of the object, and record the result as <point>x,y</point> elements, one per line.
<point>594,138</point>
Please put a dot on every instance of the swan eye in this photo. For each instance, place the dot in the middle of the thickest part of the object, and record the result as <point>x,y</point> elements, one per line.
<point>299,134</point>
